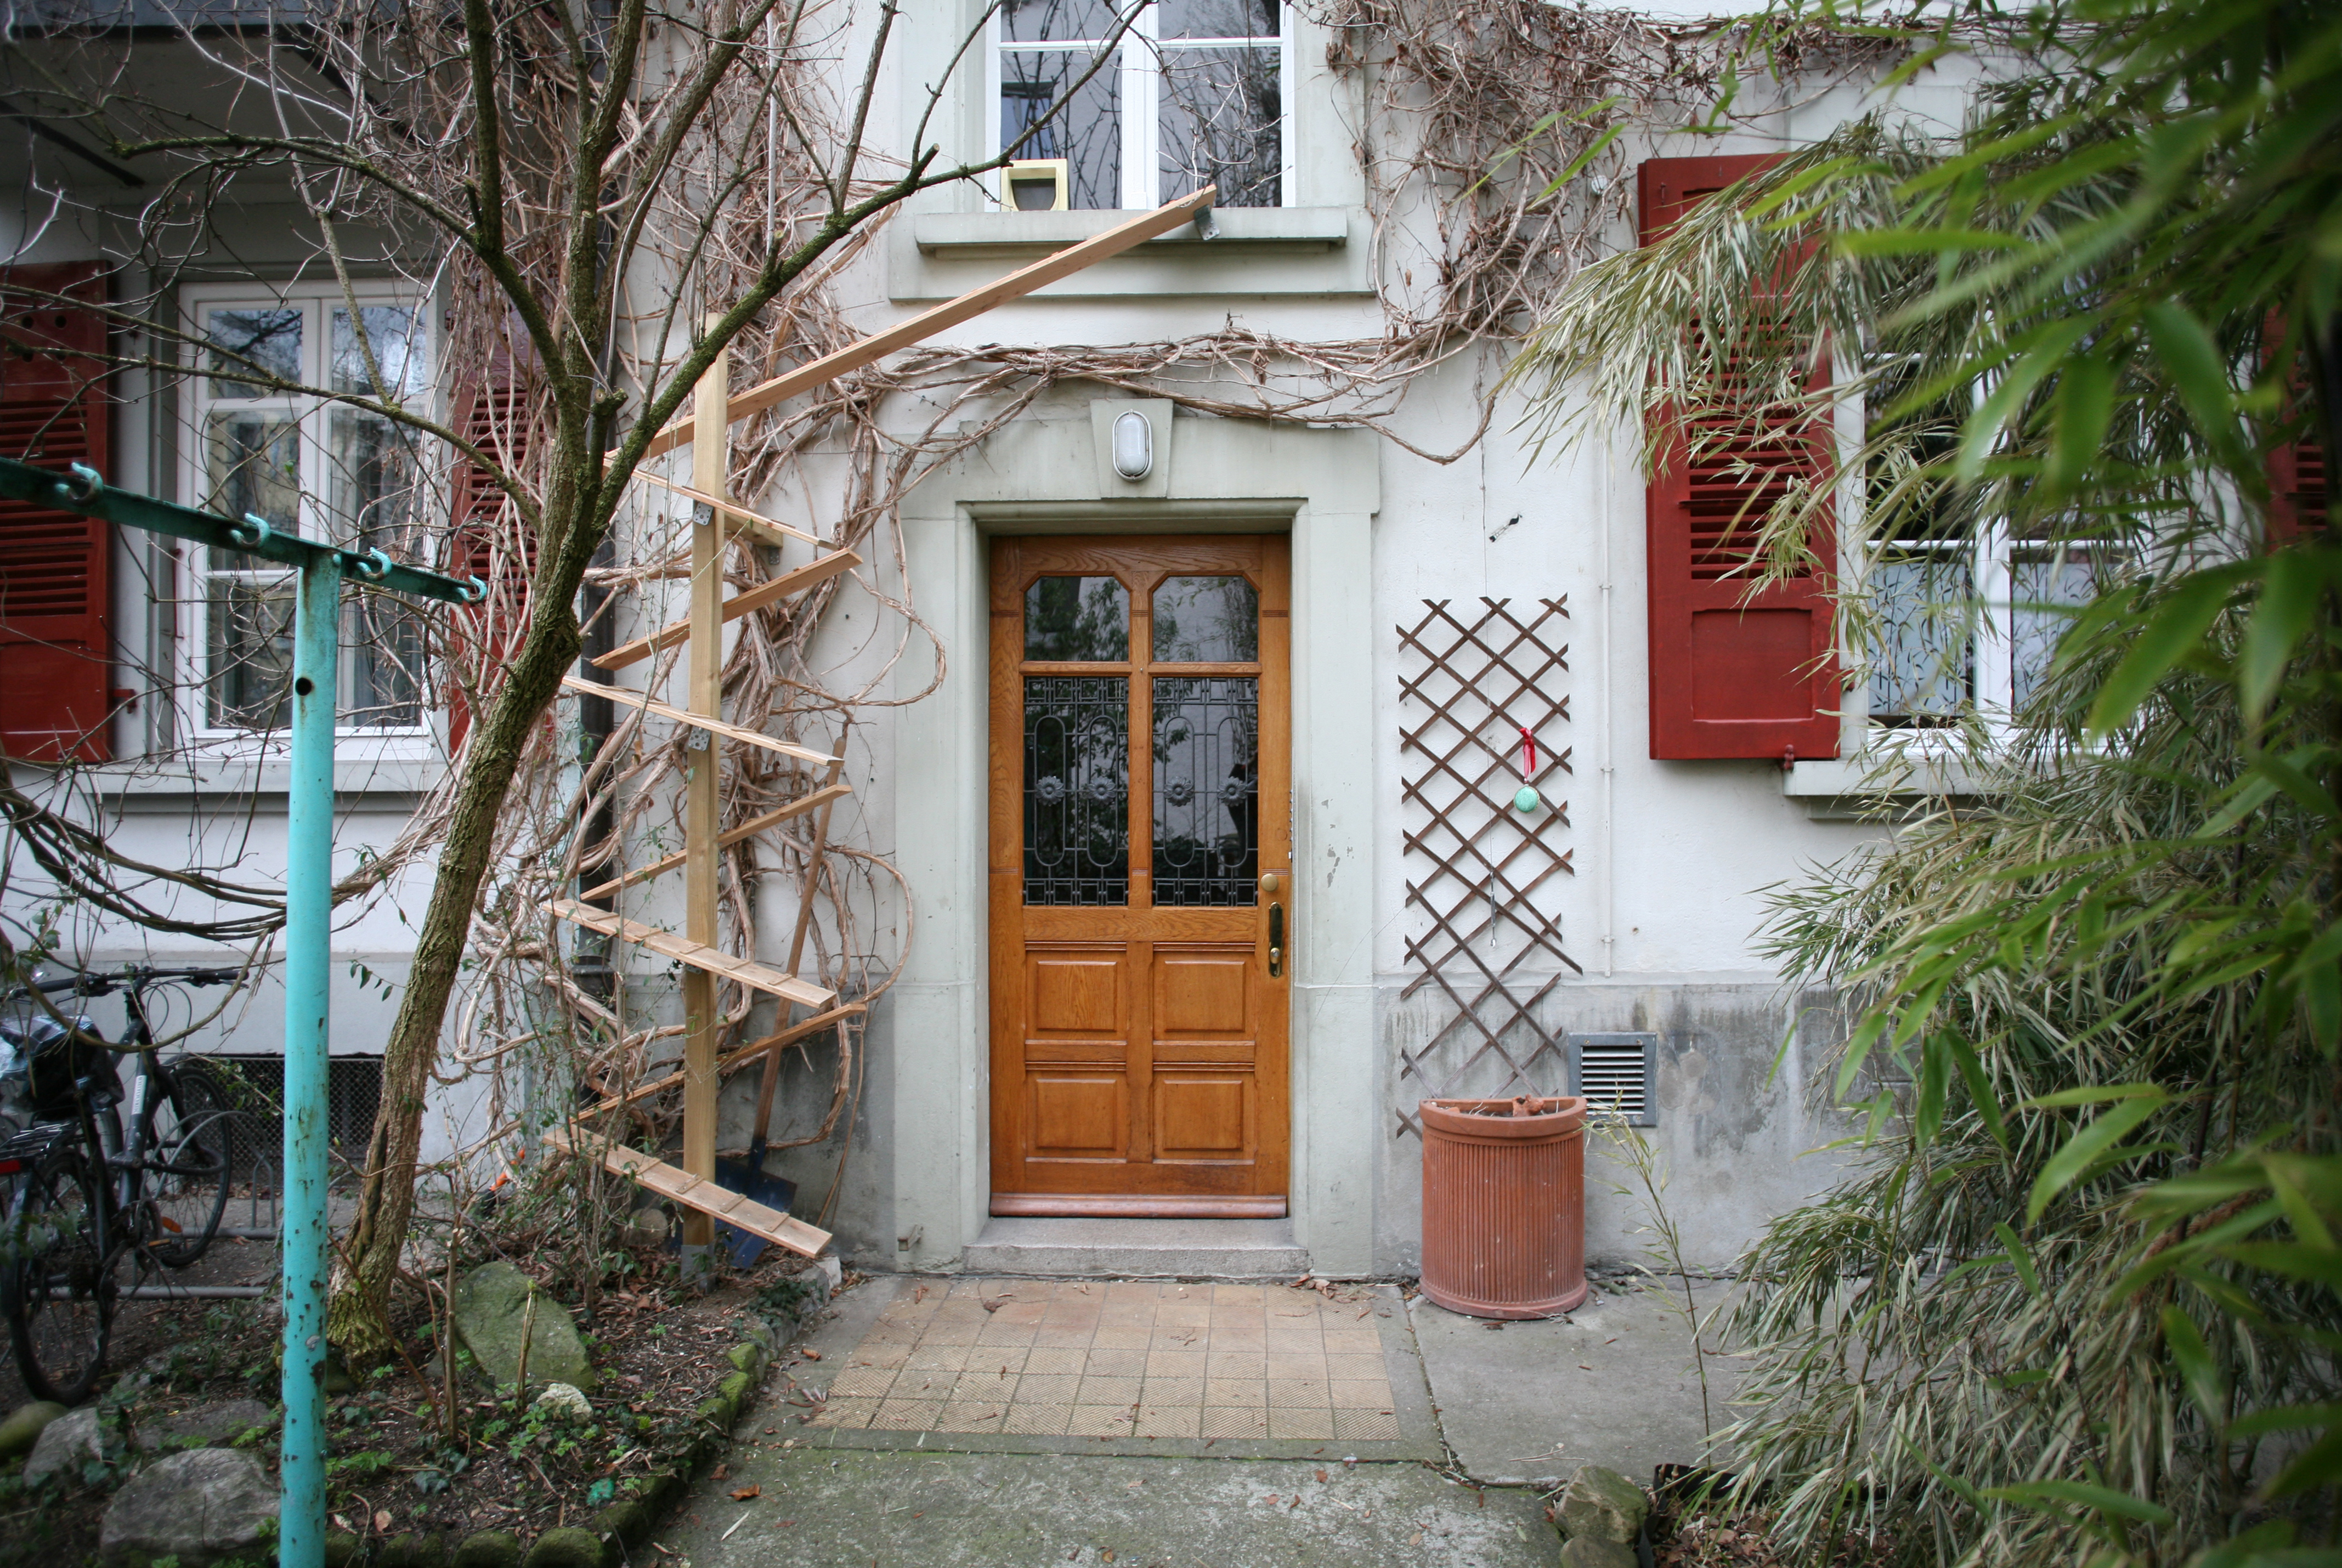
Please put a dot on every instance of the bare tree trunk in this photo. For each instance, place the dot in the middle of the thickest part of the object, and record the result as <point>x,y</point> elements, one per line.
<point>356,1316</point>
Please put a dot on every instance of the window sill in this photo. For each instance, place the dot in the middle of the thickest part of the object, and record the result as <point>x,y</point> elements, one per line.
<point>375,783</point>
<point>1871,786</point>
<point>1259,251</point>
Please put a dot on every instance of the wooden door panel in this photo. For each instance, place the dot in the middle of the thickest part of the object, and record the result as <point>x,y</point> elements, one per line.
<point>1080,1115</point>
<point>1079,995</point>
<point>1203,995</point>
<point>1206,1117</point>
<point>1138,1048</point>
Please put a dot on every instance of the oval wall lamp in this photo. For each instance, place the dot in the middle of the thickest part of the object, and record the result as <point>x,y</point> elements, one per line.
<point>1134,444</point>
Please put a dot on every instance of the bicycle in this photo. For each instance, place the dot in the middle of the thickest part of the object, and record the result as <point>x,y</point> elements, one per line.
<point>95,1200</point>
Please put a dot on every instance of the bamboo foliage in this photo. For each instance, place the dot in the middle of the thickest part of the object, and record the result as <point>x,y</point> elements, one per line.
<point>2075,1299</point>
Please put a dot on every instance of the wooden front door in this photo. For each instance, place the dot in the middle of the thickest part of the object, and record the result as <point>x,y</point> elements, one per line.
<point>1140,858</point>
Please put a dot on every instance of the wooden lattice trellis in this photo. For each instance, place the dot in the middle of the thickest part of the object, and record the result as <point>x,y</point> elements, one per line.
<point>1482,861</point>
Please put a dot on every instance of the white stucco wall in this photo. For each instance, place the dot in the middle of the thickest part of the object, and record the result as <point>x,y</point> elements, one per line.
<point>1670,859</point>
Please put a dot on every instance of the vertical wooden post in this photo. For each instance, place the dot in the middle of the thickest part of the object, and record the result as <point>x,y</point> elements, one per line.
<point>708,452</point>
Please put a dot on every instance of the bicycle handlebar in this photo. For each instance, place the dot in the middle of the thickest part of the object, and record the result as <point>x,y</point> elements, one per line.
<point>136,976</point>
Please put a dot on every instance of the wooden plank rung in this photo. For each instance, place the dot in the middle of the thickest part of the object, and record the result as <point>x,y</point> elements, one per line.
<point>736,1209</point>
<point>753,521</point>
<point>813,574</point>
<point>698,721</point>
<point>748,829</point>
<point>699,955</point>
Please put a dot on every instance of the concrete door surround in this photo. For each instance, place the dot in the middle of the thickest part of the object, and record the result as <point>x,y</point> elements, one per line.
<point>1049,476</point>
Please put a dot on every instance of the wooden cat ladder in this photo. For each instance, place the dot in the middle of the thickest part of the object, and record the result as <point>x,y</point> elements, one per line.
<point>705,965</point>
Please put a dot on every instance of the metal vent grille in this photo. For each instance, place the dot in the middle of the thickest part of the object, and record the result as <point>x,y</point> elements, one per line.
<point>1617,1073</point>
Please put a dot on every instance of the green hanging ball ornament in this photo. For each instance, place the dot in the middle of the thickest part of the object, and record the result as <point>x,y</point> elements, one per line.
<point>1526,799</point>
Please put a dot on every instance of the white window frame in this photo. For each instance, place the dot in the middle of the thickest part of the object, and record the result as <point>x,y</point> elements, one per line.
<point>1992,556</point>
<point>317,302</point>
<point>1142,80</point>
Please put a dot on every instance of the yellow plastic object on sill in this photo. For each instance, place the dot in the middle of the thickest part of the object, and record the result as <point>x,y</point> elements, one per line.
<point>1035,185</point>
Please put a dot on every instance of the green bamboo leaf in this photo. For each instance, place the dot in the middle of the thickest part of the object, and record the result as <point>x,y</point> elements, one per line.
<point>2020,1257</point>
<point>2043,1497</point>
<point>1920,242</point>
<point>2319,1465</point>
<point>2291,588</point>
<point>2196,1364</point>
<point>1859,1047</point>
<point>1980,1091</point>
<point>1577,166</point>
<point>2175,629</point>
<point>1927,1114</point>
<point>2192,361</point>
<point>2321,997</point>
<point>2086,401</point>
<point>2095,1095</point>
<point>2294,1260</point>
<point>2284,1418</point>
<point>2268,1545</point>
<point>2066,1166</point>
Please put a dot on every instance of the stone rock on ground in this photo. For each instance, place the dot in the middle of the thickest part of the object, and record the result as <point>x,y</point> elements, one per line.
<point>198,1506</point>
<point>489,1549</point>
<point>25,1425</point>
<point>491,1304</point>
<point>568,1548</point>
<point>646,1227</point>
<point>1586,1551</point>
<point>562,1399</point>
<point>66,1444</point>
<point>206,1426</point>
<point>1601,1504</point>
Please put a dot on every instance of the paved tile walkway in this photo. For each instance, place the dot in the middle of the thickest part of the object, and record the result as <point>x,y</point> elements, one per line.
<point>1117,1359</point>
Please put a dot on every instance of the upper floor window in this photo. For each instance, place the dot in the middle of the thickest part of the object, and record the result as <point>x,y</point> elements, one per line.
<point>306,465</point>
<point>1194,95</point>
<point>1972,626</point>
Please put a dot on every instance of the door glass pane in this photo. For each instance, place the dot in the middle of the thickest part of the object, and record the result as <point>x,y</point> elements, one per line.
<point>1219,123</point>
<point>1206,621</point>
<point>1086,133</point>
<point>266,339</point>
<point>1077,618</point>
<point>1077,789</point>
<point>1207,789</point>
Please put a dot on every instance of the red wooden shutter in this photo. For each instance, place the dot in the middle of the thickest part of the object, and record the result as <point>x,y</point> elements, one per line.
<point>2297,492</point>
<point>1731,675</point>
<point>483,545</point>
<point>54,566</point>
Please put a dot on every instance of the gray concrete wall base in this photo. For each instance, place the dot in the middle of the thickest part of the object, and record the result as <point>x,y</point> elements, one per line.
<point>1736,1139</point>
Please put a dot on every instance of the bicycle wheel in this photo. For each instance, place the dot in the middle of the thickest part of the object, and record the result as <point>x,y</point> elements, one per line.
<point>190,1164</point>
<point>53,1282</point>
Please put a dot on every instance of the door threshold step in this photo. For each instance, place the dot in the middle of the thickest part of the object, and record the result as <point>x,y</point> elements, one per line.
<point>1145,1249</point>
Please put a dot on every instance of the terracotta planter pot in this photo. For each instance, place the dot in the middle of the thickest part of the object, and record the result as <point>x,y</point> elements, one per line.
<point>1504,1205</point>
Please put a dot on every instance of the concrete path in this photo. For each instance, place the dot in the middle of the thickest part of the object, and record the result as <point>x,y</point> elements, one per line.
<point>851,1509</point>
<point>1517,1407</point>
<point>1611,1385</point>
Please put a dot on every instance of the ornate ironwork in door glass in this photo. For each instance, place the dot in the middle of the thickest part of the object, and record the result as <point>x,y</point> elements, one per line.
<point>1077,619</point>
<point>1206,621</point>
<point>1077,788</point>
<point>1207,789</point>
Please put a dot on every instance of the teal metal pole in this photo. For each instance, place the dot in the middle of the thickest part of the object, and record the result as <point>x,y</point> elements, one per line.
<point>309,942</point>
